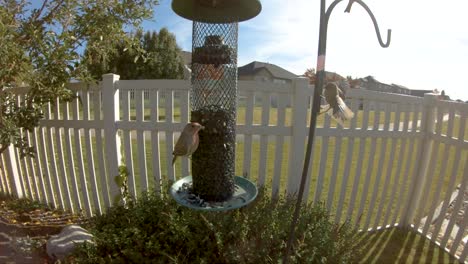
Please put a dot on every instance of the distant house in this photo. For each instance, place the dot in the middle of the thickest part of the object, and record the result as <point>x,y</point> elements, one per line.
<point>401,89</point>
<point>370,83</point>
<point>266,72</point>
<point>420,93</point>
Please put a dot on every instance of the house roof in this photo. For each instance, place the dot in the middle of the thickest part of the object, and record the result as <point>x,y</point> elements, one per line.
<point>276,71</point>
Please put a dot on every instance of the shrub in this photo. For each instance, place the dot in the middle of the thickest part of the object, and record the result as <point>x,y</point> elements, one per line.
<point>156,230</point>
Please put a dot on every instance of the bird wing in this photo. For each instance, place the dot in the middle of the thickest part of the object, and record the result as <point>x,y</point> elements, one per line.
<point>344,109</point>
<point>181,147</point>
<point>340,93</point>
<point>194,145</point>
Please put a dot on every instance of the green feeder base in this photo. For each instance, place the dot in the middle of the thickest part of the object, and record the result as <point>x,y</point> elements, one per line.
<point>245,193</point>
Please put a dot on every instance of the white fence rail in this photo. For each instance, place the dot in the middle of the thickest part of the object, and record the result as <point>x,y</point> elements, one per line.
<point>399,162</point>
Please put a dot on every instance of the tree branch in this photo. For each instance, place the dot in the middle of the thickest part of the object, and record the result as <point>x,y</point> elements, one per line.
<point>40,10</point>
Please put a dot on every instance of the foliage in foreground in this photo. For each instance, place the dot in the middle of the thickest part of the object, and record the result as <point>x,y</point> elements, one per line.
<point>40,43</point>
<point>156,229</point>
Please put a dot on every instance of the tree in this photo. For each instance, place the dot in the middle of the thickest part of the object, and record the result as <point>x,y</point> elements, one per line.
<point>159,58</point>
<point>40,47</point>
<point>310,73</point>
<point>354,83</point>
<point>329,76</point>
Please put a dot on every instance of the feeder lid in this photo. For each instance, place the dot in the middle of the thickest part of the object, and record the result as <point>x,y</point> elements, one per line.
<point>217,11</point>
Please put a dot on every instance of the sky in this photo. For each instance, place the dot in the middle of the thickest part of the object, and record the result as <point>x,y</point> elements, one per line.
<point>428,49</point>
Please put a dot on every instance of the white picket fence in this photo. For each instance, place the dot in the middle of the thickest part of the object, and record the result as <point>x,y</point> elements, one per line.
<point>397,164</point>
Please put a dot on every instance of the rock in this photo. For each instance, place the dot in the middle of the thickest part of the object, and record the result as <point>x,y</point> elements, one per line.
<point>61,245</point>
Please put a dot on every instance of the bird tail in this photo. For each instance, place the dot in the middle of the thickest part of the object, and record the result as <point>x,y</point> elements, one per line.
<point>341,112</point>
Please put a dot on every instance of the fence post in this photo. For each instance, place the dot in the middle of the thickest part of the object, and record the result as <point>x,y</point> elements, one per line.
<point>111,114</point>
<point>13,173</point>
<point>427,129</point>
<point>299,131</point>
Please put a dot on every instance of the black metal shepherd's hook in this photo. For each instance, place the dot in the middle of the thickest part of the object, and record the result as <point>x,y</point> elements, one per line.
<point>319,81</point>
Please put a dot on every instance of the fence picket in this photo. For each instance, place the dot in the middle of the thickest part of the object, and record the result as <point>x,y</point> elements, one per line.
<point>184,119</point>
<point>275,190</point>
<point>32,170</point>
<point>413,150</point>
<point>388,175</point>
<point>396,185</point>
<point>169,119</point>
<point>360,160</point>
<point>60,159</point>
<point>299,135</point>
<point>380,167</point>
<point>80,161</point>
<point>456,208</point>
<point>139,105</point>
<point>29,174</point>
<point>465,250</point>
<point>453,176</point>
<point>442,170</point>
<point>45,166</point>
<point>111,116</point>
<point>262,163</point>
<point>126,94</point>
<point>429,176</point>
<point>90,156</point>
<point>97,97</point>
<point>4,177</point>
<point>156,159</point>
<point>71,161</point>
<point>54,170</point>
<point>370,167</point>
<point>336,165</point>
<point>248,137</point>
<point>347,167</point>
<point>423,159</point>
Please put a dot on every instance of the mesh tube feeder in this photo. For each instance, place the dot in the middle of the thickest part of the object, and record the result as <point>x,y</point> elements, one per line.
<point>213,103</point>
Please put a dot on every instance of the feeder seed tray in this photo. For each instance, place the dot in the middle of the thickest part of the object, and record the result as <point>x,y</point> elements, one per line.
<point>245,193</point>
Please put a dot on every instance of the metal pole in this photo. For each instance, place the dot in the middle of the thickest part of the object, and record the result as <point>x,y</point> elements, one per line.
<point>313,122</point>
<point>319,81</point>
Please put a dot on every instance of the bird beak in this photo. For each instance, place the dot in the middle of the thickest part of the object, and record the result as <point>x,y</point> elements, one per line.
<point>202,127</point>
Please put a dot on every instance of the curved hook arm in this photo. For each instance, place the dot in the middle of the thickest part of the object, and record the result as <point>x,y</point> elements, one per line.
<point>376,26</point>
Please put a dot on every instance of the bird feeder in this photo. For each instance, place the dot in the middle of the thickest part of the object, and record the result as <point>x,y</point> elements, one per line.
<point>214,101</point>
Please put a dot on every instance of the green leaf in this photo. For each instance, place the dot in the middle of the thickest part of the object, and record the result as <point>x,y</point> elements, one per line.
<point>119,180</point>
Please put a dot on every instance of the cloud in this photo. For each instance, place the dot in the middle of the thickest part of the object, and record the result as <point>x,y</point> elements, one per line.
<point>428,40</point>
<point>284,31</point>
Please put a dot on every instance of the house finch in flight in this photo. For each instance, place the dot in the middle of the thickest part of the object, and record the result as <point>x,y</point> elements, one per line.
<point>188,141</point>
<point>336,106</point>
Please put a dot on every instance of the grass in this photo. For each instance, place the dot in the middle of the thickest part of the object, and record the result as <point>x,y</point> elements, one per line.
<point>401,246</point>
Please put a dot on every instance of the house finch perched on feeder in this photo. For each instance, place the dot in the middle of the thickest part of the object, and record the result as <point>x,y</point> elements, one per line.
<point>336,106</point>
<point>188,141</point>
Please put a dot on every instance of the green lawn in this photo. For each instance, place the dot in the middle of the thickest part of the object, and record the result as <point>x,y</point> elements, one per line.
<point>401,246</point>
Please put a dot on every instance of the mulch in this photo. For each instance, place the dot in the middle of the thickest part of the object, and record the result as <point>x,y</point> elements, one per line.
<point>23,234</point>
